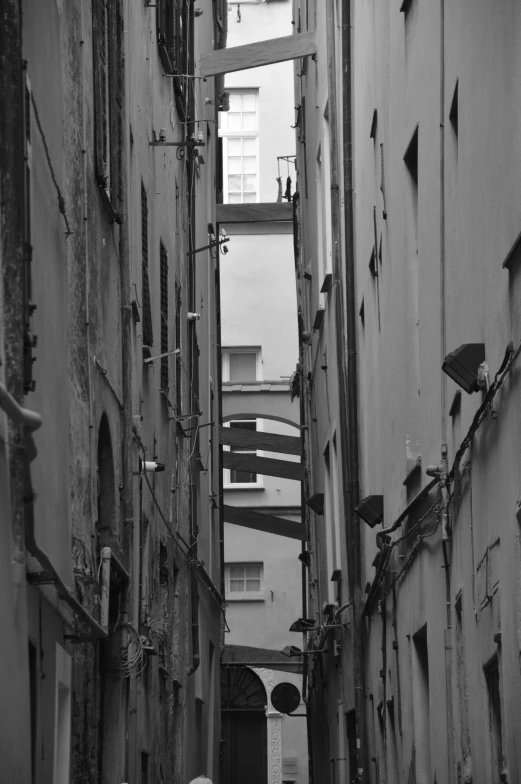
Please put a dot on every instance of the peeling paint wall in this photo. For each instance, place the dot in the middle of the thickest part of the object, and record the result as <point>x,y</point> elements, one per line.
<point>435,183</point>
<point>104,409</point>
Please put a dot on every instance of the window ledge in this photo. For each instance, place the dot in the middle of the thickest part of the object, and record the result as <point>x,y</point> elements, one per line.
<point>245,599</point>
<point>243,487</point>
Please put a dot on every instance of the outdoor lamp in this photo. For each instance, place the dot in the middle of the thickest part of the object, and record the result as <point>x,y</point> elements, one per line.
<point>371,510</point>
<point>303,625</point>
<point>463,364</point>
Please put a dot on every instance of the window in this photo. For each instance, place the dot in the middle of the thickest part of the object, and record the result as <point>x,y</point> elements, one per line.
<point>239,129</point>
<point>163,267</point>
<point>244,581</point>
<point>62,725</point>
<point>494,721</point>
<point>241,364</point>
<point>108,99</point>
<point>233,476</point>
<point>148,337</point>
<point>29,382</point>
<point>172,39</point>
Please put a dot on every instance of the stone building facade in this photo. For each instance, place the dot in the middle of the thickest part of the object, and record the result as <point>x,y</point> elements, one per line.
<point>111,537</point>
<point>407,248</point>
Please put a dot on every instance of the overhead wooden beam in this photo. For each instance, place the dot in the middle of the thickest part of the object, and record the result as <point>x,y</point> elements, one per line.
<point>263,465</point>
<point>242,438</point>
<point>241,58</point>
<point>260,521</point>
<point>262,212</point>
<point>260,657</point>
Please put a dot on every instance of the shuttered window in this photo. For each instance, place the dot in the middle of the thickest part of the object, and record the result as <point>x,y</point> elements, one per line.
<point>163,268</point>
<point>109,69</point>
<point>148,337</point>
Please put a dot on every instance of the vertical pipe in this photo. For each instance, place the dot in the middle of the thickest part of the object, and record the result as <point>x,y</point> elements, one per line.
<point>349,378</point>
<point>106,555</point>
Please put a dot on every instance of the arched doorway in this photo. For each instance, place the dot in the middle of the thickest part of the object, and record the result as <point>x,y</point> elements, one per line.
<point>244,727</point>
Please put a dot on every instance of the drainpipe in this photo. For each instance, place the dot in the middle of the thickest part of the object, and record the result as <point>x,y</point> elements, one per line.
<point>349,395</point>
<point>445,488</point>
<point>194,596</point>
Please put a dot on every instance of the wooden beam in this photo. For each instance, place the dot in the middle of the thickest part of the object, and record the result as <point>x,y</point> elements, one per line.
<point>260,657</point>
<point>260,521</point>
<point>255,213</point>
<point>263,465</point>
<point>242,438</point>
<point>241,58</point>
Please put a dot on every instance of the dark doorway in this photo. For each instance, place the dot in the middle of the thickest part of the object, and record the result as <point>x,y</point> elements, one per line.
<point>244,737</point>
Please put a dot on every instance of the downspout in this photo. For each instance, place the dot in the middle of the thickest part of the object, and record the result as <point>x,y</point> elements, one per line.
<point>445,482</point>
<point>305,458</point>
<point>345,326</point>
<point>194,587</point>
<point>349,390</point>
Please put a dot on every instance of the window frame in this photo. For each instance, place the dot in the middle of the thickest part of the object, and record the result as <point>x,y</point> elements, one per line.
<point>243,596</point>
<point>225,355</point>
<point>227,134</point>
<point>109,98</point>
<point>227,483</point>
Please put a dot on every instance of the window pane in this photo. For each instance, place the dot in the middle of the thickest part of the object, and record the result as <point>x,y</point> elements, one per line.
<point>253,571</point>
<point>237,571</point>
<point>234,147</point>
<point>249,146</point>
<point>249,424</point>
<point>249,165</point>
<point>236,585</point>
<point>235,102</point>
<point>234,182</point>
<point>243,367</point>
<point>234,166</point>
<point>249,198</point>
<point>234,121</point>
<point>253,585</point>
<point>250,182</point>
<point>248,102</point>
<point>234,198</point>
<point>248,121</point>
<point>242,477</point>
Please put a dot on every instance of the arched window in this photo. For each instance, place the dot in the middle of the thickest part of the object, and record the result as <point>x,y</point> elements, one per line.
<point>106,487</point>
<point>242,689</point>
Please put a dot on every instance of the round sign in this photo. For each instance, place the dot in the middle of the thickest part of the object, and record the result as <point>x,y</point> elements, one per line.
<point>285,697</point>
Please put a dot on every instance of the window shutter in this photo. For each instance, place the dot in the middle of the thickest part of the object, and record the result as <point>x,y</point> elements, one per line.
<point>101,89</point>
<point>147,313</point>
<point>178,357</point>
<point>117,107</point>
<point>163,266</point>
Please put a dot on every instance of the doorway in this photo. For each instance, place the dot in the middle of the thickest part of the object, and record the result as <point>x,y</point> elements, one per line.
<point>244,727</point>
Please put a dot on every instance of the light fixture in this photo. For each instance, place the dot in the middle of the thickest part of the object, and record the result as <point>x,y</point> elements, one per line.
<point>371,510</point>
<point>150,466</point>
<point>303,625</point>
<point>292,650</point>
<point>463,365</point>
<point>316,503</point>
<point>305,557</point>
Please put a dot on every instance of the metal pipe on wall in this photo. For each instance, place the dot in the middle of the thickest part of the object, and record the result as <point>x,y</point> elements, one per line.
<point>349,381</point>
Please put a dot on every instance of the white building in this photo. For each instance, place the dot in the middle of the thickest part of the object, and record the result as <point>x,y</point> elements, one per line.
<point>259,341</point>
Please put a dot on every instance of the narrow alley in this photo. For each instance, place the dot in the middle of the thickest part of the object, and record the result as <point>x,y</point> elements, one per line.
<point>260,326</point>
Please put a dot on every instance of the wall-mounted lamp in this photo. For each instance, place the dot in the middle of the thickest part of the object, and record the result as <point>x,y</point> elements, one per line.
<point>190,144</point>
<point>371,510</point>
<point>150,466</point>
<point>465,366</point>
<point>316,503</point>
<point>305,557</point>
<point>292,650</point>
<point>198,12</point>
<point>303,625</point>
